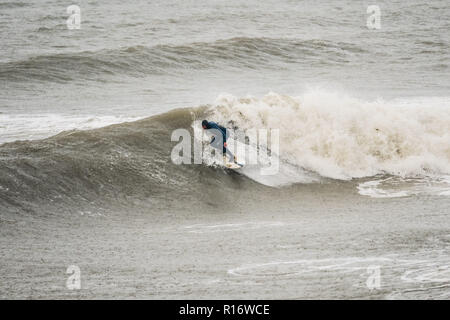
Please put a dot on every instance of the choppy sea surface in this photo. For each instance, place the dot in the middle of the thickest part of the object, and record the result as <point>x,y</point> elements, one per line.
<point>86,177</point>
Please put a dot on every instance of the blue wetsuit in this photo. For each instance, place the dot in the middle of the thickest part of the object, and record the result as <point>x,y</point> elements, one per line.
<point>216,142</point>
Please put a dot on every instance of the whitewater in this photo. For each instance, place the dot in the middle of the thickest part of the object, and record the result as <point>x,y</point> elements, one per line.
<point>341,137</point>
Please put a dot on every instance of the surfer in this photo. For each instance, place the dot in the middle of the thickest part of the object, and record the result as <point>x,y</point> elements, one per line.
<point>216,143</point>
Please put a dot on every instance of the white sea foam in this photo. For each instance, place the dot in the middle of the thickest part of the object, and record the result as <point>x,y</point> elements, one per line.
<point>394,187</point>
<point>202,228</point>
<point>373,189</point>
<point>37,126</point>
<point>342,137</point>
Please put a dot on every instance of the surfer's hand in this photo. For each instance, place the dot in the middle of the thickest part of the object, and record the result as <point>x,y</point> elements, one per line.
<point>224,144</point>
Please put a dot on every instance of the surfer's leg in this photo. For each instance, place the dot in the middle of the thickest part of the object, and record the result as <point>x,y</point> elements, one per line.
<point>218,146</point>
<point>228,152</point>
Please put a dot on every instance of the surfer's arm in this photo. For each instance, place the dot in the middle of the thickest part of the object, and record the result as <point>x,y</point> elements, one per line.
<point>214,138</point>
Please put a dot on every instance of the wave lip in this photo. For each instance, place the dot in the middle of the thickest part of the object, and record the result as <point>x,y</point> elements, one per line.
<point>38,126</point>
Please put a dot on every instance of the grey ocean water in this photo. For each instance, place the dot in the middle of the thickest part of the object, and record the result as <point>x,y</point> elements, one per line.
<point>86,178</point>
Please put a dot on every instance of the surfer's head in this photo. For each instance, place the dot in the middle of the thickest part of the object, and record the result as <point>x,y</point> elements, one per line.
<point>205,124</point>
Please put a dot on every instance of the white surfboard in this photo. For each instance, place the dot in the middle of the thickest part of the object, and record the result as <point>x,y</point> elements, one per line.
<point>232,165</point>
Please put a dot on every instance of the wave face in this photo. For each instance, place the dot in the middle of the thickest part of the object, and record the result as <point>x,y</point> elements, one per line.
<point>341,137</point>
<point>122,164</point>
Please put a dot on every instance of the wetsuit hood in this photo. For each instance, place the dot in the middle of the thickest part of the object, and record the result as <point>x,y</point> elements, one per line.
<point>206,124</point>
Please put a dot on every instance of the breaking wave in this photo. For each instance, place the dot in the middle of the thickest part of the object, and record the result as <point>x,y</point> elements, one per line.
<point>341,137</point>
<point>322,136</point>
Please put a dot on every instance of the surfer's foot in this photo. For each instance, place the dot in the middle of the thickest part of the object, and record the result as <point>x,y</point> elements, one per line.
<point>235,159</point>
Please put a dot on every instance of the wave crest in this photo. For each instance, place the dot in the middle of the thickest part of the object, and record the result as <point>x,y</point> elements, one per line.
<point>140,61</point>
